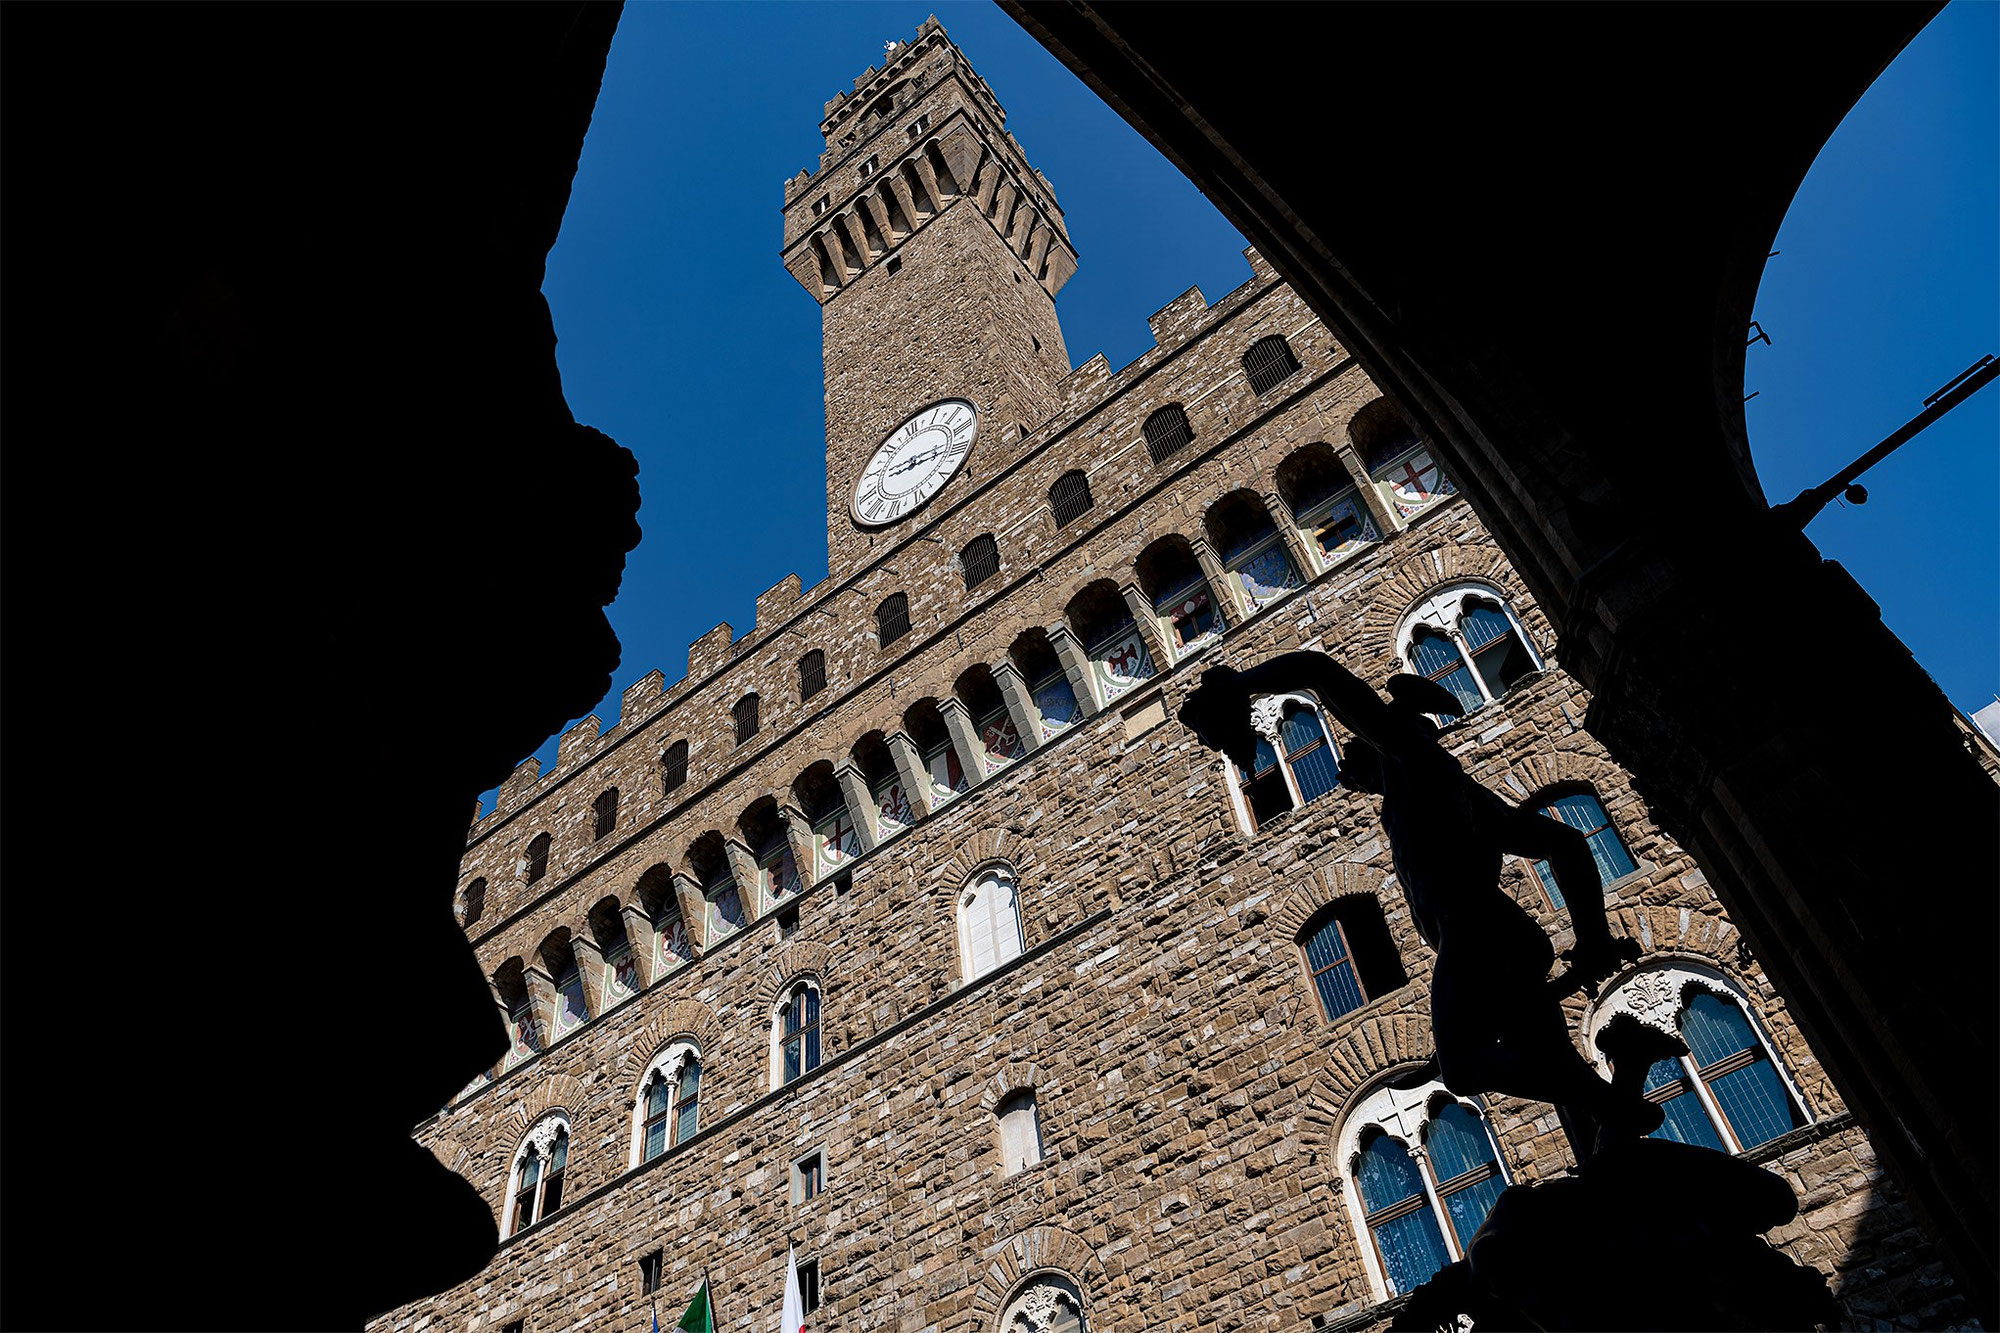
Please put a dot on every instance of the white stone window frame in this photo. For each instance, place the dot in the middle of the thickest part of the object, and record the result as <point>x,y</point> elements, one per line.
<point>540,1139</point>
<point>996,873</point>
<point>1654,993</point>
<point>1402,1115</point>
<point>1442,610</point>
<point>1040,1301</point>
<point>777,1028</point>
<point>1309,521</point>
<point>798,1176</point>
<point>666,1065</point>
<point>1029,1097</point>
<point>1267,717</point>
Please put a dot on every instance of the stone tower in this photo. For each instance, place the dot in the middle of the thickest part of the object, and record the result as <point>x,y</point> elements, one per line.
<point>935,251</point>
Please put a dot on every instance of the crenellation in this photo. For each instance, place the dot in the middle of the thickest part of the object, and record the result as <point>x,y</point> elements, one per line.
<point>574,745</point>
<point>710,651</point>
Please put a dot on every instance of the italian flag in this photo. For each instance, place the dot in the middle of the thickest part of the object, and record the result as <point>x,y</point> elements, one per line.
<point>699,1317</point>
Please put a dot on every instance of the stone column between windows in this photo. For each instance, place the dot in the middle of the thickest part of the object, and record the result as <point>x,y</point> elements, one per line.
<point>1371,495</point>
<point>850,225</point>
<point>1020,708</point>
<point>506,1023</point>
<point>639,936</point>
<point>590,967</point>
<point>860,804</point>
<point>985,183</point>
<point>694,907</point>
<point>799,837</point>
<point>541,1002</point>
<point>1229,600</point>
<point>910,767</point>
<point>928,175</point>
<point>879,213</point>
<point>1076,666</point>
<point>1148,626</point>
<point>749,884</point>
<point>901,189</point>
<point>964,739</point>
<point>1288,533</point>
<point>1038,248</point>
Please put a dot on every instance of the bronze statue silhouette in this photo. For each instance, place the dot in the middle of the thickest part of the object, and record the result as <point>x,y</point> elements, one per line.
<point>1496,1015</point>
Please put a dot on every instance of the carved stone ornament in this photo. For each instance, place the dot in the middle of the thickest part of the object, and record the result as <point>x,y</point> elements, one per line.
<point>1044,1310</point>
<point>1654,998</point>
<point>1267,714</point>
<point>541,1139</point>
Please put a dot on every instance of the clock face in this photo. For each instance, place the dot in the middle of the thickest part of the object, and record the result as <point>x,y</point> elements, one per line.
<point>914,462</point>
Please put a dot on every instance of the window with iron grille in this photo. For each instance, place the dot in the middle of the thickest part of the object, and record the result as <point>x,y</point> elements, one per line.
<point>812,674</point>
<point>892,619</point>
<point>1168,432</point>
<point>674,766</point>
<point>538,857</point>
<point>604,813</point>
<point>1070,498</point>
<point>746,718</point>
<point>473,904</point>
<point>649,1272</point>
<point>870,167</point>
<point>1269,363</point>
<point>980,560</point>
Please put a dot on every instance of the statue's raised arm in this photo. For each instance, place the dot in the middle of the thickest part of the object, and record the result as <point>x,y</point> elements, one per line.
<point>1219,710</point>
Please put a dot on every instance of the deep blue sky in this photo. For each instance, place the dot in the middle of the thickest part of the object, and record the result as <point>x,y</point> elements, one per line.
<point>683,338</point>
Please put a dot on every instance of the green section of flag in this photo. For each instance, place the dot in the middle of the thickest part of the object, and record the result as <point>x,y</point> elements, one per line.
<point>699,1318</point>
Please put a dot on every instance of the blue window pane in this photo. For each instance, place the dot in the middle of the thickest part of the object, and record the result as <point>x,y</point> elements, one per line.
<point>1317,773</point>
<point>1548,878</point>
<point>1412,1250</point>
<point>1610,854</point>
<point>812,1008</point>
<point>1687,1122</point>
<point>656,1139</point>
<point>791,1059</point>
<point>1714,1029</point>
<point>1482,625</point>
<point>1469,1206</point>
<point>531,1171</point>
<point>1663,1073</point>
<point>1326,947</point>
<point>1339,992</point>
<point>1299,729</point>
<point>656,1099</point>
<point>1457,1143</point>
<point>1432,653</point>
<point>1266,757</point>
<point>1387,1175</point>
<point>812,1049</point>
<point>685,1122</point>
<point>1755,1100</point>
<point>559,1155</point>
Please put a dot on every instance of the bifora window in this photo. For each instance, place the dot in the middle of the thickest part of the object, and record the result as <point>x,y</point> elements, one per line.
<point>798,1033</point>
<point>669,1101</point>
<point>892,619</point>
<point>539,1166</point>
<point>1269,363</point>
<point>812,674</point>
<point>1167,432</point>
<point>1418,1210</point>
<point>1295,763</point>
<point>1467,639</point>
<point>1727,1092</point>
<point>1070,498</point>
<point>980,560</point>
<point>1581,811</point>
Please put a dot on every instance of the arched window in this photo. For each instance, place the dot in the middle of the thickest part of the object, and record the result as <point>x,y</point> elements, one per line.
<point>1167,432</point>
<point>924,723</point>
<point>989,922</point>
<point>745,713</point>
<point>1000,740</point>
<point>674,766</point>
<point>1020,1132</point>
<point>538,858</point>
<point>892,619</point>
<point>812,674</point>
<point>1425,1172</point>
<point>1399,463</point>
<point>1240,529</point>
<point>535,1185</point>
<point>668,1107</point>
<point>1049,687</point>
<point>1171,577</point>
<point>764,829</point>
<point>1350,955</point>
<point>1581,811</point>
<point>672,947</point>
<point>1049,1303</point>
<point>604,814</point>
<point>798,1033</point>
<point>1727,1092</point>
<point>1324,502</point>
<point>1296,762</point>
<point>1070,498</point>
<point>1102,622</point>
<point>980,560</point>
<point>524,1037</point>
<point>1467,639</point>
<point>709,860</point>
<point>621,970</point>
<point>835,839</point>
<point>560,958</point>
<point>1269,363</point>
<point>472,902</point>
<point>893,810</point>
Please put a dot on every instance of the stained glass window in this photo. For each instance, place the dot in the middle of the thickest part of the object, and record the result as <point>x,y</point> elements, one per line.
<point>1581,811</point>
<point>799,1042</point>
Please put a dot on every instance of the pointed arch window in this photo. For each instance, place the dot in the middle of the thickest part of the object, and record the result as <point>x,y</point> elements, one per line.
<point>989,922</point>
<point>1426,1174</point>
<point>538,858</point>
<point>674,766</point>
<point>1070,498</point>
<point>1467,638</point>
<point>1581,811</point>
<point>1728,1091</point>
<point>472,903</point>
<point>535,1186</point>
<point>1269,363</point>
<point>798,1033</point>
<point>1296,762</point>
<point>1167,432</point>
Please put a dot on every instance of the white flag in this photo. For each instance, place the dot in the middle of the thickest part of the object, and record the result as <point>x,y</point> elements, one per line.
<point>794,1317</point>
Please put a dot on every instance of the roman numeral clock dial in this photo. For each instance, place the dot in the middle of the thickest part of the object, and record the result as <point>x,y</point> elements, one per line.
<point>915,462</point>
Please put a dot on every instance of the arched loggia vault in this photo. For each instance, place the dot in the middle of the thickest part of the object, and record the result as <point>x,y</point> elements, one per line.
<point>1577,360</point>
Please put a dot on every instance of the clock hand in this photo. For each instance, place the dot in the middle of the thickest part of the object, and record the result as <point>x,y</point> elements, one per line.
<point>905,467</point>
